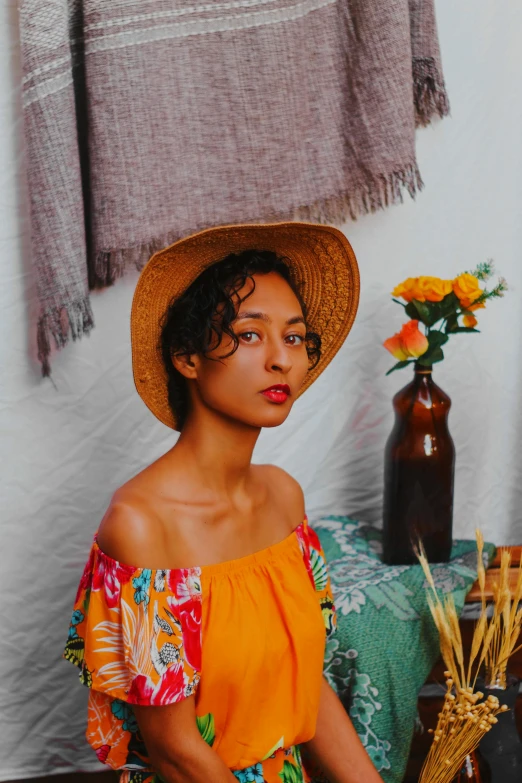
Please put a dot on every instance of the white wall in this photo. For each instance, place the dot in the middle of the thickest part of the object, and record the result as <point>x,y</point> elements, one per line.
<point>65,448</point>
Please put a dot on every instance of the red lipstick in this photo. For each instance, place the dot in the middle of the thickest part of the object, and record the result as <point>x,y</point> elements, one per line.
<point>278,393</point>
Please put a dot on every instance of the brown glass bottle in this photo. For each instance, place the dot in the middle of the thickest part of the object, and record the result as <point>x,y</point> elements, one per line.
<point>419,469</point>
<point>471,771</point>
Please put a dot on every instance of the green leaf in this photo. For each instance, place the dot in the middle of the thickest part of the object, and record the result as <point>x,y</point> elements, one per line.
<point>290,773</point>
<point>397,301</point>
<point>400,365</point>
<point>452,324</point>
<point>319,572</point>
<point>432,356</point>
<point>465,329</point>
<point>449,305</point>
<point>426,312</point>
<point>423,312</point>
<point>411,311</point>
<point>437,339</point>
<point>435,314</point>
<point>206,728</point>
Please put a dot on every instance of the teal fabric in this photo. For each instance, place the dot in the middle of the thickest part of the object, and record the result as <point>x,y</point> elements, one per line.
<point>386,643</point>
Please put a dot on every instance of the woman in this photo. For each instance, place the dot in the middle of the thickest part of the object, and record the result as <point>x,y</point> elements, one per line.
<point>201,617</point>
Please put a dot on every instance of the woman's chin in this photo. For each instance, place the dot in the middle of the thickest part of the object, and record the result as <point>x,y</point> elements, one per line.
<point>274,417</point>
<point>259,417</point>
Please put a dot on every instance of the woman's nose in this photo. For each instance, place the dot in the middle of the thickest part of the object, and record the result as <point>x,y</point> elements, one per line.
<point>279,359</point>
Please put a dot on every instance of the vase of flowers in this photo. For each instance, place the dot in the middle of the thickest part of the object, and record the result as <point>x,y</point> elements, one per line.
<point>419,464</point>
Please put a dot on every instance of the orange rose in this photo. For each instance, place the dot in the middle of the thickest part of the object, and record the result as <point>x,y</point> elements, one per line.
<point>467,289</point>
<point>409,343</point>
<point>432,289</point>
<point>394,346</point>
<point>470,321</point>
<point>406,290</point>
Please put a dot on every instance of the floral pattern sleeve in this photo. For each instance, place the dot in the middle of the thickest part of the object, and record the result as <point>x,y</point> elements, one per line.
<point>135,634</point>
<point>315,562</point>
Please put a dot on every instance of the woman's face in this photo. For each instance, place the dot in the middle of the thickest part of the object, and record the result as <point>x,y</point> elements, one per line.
<point>258,384</point>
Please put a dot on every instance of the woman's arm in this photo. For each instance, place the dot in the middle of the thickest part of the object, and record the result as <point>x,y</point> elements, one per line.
<point>175,747</point>
<point>336,749</point>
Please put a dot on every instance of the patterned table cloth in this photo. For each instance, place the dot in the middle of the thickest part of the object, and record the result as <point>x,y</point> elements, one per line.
<point>386,643</point>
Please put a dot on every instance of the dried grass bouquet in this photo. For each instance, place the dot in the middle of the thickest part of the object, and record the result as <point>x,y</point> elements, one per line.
<point>465,716</point>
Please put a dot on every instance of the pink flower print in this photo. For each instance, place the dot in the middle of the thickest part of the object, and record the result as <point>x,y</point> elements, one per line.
<point>302,537</point>
<point>141,690</point>
<point>314,539</point>
<point>185,605</point>
<point>185,583</point>
<point>170,688</point>
<point>109,575</point>
<point>102,753</point>
<point>189,615</point>
<point>86,580</point>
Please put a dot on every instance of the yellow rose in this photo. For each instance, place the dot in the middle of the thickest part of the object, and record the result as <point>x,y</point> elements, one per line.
<point>467,289</point>
<point>432,289</point>
<point>470,321</point>
<point>406,290</point>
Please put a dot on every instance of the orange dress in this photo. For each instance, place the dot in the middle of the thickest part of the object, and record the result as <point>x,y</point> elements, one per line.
<point>247,637</point>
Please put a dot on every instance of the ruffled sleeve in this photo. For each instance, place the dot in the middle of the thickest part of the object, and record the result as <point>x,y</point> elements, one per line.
<point>315,562</point>
<point>135,633</point>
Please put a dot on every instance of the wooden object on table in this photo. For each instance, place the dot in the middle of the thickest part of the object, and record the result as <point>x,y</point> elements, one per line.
<point>431,703</point>
<point>492,574</point>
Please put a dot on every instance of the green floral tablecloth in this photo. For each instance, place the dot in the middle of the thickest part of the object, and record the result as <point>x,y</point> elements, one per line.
<point>386,643</point>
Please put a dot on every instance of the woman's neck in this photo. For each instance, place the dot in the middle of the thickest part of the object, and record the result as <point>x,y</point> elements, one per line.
<point>218,449</point>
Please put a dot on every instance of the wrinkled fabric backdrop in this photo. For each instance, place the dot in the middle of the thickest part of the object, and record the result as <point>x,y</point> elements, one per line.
<point>65,448</point>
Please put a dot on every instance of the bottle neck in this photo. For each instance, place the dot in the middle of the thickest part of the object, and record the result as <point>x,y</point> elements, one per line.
<point>423,371</point>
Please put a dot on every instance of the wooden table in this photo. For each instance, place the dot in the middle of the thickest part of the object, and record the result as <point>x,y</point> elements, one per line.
<point>430,698</point>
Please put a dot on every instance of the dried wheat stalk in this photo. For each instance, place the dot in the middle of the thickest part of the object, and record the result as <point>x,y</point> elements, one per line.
<point>464,719</point>
<point>505,624</point>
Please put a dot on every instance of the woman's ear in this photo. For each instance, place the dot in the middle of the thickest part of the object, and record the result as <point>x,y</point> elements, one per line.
<point>187,365</point>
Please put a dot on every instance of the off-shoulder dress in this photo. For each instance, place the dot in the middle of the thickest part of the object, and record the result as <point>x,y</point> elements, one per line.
<point>246,637</point>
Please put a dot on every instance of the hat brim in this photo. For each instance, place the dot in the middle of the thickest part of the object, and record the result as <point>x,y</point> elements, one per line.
<point>322,264</point>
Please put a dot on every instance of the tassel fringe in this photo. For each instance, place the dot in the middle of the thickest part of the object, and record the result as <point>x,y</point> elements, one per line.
<point>371,196</point>
<point>429,91</point>
<point>61,323</point>
<point>76,319</point>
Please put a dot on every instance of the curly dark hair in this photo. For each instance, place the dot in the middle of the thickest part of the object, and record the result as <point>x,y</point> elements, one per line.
<point>196,321</point>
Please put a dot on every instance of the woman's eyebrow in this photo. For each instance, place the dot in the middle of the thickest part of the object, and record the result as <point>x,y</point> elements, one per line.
<point>296,319</point>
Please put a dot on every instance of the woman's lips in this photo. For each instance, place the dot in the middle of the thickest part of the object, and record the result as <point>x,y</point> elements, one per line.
<point>278,393</point>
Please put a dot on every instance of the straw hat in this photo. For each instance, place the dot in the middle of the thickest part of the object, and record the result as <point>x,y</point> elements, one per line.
<point>322,264</point>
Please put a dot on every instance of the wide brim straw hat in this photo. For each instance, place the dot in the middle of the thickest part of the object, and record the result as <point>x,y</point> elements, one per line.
<point>322,265</point>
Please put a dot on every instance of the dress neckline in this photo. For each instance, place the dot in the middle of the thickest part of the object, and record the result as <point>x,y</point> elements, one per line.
<point>255,558</point>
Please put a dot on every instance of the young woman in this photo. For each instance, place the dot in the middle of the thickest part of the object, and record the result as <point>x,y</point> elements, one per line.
<point>201,616</point>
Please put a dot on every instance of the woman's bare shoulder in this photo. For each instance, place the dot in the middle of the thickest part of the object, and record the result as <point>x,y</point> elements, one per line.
<point>131,530</point>
<point>285,491</point>
<point>127,528</point>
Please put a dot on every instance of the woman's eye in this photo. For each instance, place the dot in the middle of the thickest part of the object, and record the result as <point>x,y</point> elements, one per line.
<point>250,337</point>
<point>295,339</point>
